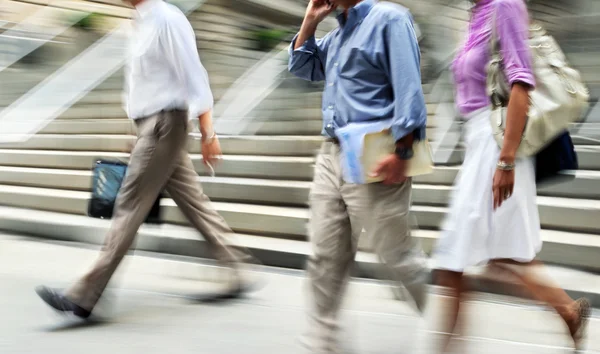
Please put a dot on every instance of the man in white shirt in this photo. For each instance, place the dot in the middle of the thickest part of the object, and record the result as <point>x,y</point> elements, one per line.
<point>165,84</point>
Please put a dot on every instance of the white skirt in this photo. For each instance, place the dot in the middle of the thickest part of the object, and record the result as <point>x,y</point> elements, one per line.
<point>473,233</point>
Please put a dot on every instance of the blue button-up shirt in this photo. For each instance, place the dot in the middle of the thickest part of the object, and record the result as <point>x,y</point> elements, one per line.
<point>371,68</point>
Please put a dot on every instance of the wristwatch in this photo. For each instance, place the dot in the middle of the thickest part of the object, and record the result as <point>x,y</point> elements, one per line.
<point>404,153</point>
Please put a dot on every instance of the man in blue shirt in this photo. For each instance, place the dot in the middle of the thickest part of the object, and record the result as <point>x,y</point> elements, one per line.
<point>371,68</point>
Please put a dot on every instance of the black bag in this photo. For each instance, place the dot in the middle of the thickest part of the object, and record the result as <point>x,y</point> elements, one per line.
<point>106,183</point>
<point>555,158</point>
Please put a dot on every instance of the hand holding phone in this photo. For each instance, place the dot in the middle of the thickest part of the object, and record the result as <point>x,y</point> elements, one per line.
<point>318,10</point>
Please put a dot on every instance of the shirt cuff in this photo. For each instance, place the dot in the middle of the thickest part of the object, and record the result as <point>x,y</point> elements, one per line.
<point>195,109</point>
<point>399,132</point>
<point>521,75</point>
<point>310,46</point>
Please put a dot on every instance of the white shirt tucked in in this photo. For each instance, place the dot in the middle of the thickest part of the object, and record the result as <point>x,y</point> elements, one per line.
<point>163,70</point>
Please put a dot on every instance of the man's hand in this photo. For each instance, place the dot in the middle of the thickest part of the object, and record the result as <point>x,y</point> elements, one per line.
<point>211,151</point>
<point>504,182</point>
<point>318,10</point>
<point>392,168</point>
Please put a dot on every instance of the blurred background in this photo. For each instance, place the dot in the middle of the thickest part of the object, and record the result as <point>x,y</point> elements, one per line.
<point>61,77</point>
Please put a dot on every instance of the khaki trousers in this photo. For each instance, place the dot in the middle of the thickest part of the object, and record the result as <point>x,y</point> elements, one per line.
<point>159,160</point>
<point>338,213</point>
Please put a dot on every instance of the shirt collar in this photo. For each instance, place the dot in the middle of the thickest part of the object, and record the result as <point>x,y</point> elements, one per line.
<point>144,8</point>
<point>356,13</point>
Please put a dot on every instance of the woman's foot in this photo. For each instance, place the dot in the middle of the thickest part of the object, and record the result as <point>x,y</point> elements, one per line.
<point>578,327</point>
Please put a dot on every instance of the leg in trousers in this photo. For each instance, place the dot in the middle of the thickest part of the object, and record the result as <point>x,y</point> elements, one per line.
<point>187,193</point>
<point>334,247</point>
<point>161,138</point>
<point>388,228</point>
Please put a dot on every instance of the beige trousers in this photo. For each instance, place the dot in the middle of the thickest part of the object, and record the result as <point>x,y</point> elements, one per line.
<point>159,160</point>
<point>338,213</point>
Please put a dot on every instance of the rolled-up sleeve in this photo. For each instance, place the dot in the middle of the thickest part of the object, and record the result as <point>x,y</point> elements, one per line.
<point>179,43</point>
<point>512,24</point>
<point>308,61</point>
<point>404,72</point>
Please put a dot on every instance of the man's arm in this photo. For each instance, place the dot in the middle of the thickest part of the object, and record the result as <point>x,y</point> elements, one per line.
<point>308,56</point>
<point>404,72</point>
<point>179,44</point>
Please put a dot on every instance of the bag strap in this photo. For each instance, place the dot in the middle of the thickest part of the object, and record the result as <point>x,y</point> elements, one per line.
<point>496,58</point>
<point>495,42</point>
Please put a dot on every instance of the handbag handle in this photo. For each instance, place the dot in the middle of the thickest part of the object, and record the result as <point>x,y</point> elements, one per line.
<point>496,61</point>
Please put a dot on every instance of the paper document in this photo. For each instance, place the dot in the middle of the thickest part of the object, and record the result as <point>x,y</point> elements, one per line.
<point>364,145</point>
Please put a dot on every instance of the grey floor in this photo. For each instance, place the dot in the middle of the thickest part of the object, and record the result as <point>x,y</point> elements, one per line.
<point>149,309</point>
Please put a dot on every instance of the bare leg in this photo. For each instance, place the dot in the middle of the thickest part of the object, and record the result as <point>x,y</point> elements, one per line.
<point>543,289</point>
<point>453,282</point>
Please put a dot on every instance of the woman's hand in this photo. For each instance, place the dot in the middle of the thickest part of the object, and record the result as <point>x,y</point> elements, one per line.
<point>504,182</point>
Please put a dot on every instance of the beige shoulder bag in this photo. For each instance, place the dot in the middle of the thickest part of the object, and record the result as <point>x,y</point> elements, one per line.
<point>560,96</point>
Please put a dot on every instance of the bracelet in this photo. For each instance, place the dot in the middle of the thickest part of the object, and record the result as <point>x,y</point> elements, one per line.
<point>210,138</point>
<point>504,166</point>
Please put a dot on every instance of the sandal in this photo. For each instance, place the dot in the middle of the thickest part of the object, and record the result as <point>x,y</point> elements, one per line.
<point>579,331</point>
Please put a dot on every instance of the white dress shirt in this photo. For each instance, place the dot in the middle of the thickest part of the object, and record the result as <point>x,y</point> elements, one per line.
<point>163,70</point>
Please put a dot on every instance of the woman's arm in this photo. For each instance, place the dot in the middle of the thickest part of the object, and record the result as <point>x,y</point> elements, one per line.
<point>512,25</point>
<point>516,117</point>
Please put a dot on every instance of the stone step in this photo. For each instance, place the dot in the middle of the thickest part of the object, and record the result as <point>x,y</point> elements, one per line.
<point>298,145</point>
<point>216,82</point>
<point>585,185</point>
<point>107,97</point>
<point>248,218</point>
<point>555,213</point>
<point>589,59</point>
<point>114,111</point>
<point>222,40</point>
<point>271,167</point>
<point>231,145</point>
<point>588,157</point>
<point>432,189</point>
<point>266,110</point>
<point>227,189</point>
<point>90,126</point>
<point>223,11</point>
<point>582,133</point>
<point>564,248</point>
<point>124,126</point>
<point>308,127</point>
<point>114,97</point>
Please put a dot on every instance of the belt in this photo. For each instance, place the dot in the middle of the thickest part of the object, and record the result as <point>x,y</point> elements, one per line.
<point>335,141</point>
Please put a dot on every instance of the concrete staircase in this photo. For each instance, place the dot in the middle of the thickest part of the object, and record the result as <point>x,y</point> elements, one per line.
<point>262,184</point>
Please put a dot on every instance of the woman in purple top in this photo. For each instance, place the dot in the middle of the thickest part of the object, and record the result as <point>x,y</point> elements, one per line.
<point>493,216</point>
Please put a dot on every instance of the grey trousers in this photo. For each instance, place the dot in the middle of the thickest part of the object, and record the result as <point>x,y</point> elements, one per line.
<point>159,160</point>
<point>338,213</point>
